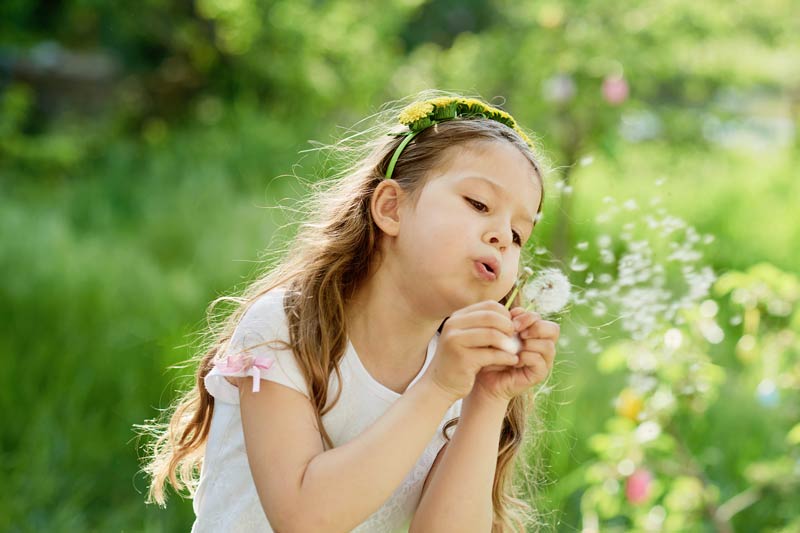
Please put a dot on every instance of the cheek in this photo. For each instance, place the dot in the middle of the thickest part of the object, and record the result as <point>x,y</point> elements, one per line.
<point>511,272</point>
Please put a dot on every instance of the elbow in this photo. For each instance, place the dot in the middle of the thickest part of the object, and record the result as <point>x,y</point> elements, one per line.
<point>289,523</point>
<point>285,520</point>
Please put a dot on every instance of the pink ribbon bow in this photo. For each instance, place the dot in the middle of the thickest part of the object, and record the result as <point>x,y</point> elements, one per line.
<point>242,366</point>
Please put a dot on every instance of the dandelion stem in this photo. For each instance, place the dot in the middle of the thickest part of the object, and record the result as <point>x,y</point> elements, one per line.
<point>513,294</point>
<point>526,274</point>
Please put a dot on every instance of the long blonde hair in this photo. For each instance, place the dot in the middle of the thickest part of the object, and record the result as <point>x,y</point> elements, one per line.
<point>329,257</point>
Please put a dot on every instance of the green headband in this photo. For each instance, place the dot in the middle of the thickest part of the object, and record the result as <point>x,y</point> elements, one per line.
<point>422,115</point>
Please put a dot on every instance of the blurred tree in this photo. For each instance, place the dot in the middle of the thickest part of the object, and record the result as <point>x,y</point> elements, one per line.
<point>587,75</point>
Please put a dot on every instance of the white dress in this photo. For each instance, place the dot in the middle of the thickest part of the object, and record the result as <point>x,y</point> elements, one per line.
<point>226,498</point>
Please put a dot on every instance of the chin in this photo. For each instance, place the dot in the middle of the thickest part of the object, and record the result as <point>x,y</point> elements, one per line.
<point>473,297</point>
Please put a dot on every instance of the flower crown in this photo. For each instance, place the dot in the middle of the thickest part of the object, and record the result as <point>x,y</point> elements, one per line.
<point>421,115</point>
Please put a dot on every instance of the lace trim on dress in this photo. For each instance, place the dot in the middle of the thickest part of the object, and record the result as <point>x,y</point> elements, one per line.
<point>245,365</point>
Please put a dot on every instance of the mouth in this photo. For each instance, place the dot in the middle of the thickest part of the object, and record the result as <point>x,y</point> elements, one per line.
<point>486,270</point>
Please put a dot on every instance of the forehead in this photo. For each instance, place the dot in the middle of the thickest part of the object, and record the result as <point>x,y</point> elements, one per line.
<point>497,168</point>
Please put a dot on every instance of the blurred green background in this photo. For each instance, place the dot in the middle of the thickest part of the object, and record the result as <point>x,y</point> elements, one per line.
<point>140,143</point>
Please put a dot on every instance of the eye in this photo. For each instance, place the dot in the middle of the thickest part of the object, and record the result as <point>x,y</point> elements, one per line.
<point>477,205</point>
<point>482,207</point>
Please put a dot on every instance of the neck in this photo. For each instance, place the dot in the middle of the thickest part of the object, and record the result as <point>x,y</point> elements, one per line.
<point>387,328</point>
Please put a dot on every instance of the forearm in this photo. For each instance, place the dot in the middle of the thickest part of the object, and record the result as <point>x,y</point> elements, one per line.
<point>459,497</point>
<point>343,486</point>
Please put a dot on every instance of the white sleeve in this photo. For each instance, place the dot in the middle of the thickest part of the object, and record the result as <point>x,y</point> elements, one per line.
<point>252,352</point>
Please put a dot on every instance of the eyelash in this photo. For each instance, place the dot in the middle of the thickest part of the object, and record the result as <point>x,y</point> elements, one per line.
<point>476,203</point>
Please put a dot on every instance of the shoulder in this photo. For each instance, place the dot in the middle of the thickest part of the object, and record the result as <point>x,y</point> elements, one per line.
<point>262,320</point>
<point>259,348</point>
<point>266,307</point>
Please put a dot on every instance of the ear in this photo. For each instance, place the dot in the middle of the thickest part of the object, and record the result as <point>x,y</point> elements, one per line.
<point>385,206</point>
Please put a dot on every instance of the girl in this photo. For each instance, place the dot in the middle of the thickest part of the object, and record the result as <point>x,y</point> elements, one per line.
<point>323,404</point>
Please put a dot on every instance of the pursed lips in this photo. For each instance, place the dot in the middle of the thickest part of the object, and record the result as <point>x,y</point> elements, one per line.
<point>491,264</point>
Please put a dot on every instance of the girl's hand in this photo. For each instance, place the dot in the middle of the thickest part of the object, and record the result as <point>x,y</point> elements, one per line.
<point>474,337</point>
<point>538,338</point>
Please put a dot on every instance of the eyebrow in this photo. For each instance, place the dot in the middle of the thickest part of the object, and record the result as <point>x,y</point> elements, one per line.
<point>497,187</point>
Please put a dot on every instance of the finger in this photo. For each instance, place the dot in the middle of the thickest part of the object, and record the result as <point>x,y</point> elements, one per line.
<point>483,319</point>
<point>533,359</point>
<point>516,311</point>
<point>542,329</point>
<point>539,371</point>
<point>496,359</point>
<point>525,320</point>
<point>486,338</point>
<point>545,347</point>
<point>487,305</point>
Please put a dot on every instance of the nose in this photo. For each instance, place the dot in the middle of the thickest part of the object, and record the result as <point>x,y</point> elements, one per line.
<point>499,238</point>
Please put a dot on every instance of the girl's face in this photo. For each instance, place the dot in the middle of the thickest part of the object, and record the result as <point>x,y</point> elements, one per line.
<point>461,242</point>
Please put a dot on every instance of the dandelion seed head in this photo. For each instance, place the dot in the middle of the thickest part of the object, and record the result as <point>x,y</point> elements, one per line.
<point>548,292</point>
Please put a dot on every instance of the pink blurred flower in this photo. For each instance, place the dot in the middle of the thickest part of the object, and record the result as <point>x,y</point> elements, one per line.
<point>615,89</point>
<point>637,487</point>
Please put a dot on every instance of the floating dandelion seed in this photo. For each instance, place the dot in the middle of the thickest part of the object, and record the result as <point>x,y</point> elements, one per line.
<point>630,205</point>
<point>577,266</point>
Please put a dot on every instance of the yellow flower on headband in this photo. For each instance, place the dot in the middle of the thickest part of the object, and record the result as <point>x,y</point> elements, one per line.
<point>421,115</point>
<point>415,112</point>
